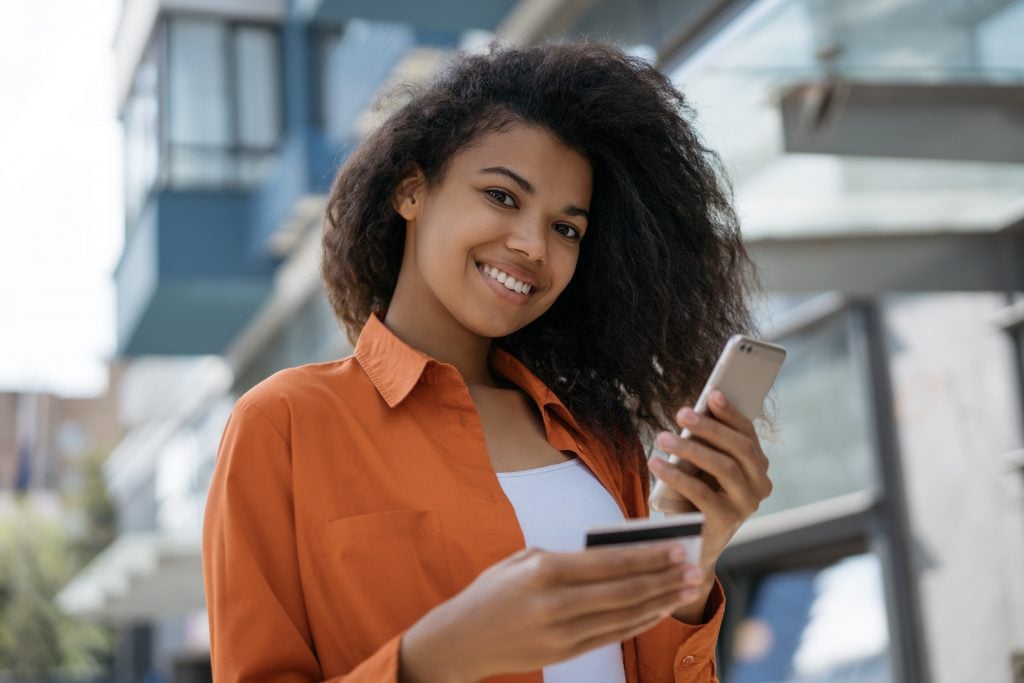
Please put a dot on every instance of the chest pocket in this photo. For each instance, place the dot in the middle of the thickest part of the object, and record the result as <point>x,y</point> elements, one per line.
<point>387,568</point>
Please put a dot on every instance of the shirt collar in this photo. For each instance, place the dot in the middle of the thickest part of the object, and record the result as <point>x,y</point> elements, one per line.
<point>395,368</point>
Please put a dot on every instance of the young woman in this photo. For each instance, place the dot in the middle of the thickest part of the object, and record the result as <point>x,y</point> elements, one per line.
<point>540,263</point>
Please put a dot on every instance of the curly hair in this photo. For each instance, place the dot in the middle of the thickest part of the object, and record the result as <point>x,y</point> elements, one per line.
<point>663,278</point>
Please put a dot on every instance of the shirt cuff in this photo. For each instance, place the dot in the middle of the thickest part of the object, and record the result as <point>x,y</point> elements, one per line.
<point>693,645</point>
<point>380,667</point>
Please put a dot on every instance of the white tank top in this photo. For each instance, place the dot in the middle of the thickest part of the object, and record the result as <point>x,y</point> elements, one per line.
<point>555,505</point>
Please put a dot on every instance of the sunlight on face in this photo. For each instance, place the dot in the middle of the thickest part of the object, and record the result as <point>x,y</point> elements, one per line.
<point>490,248</point>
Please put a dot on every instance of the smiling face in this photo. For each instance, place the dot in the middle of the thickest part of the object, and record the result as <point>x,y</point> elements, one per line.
<point>490,247</point>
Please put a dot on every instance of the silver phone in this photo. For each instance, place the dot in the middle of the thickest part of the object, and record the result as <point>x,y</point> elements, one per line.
<point>745,373</point>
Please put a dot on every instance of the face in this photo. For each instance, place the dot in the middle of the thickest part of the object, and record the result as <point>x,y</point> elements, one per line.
<point>491,246</point>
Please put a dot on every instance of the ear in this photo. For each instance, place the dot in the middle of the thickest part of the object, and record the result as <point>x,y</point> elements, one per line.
<point>408,197</point>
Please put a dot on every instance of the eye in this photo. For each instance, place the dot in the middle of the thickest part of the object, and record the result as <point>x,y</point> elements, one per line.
<point>502,197</point>
<point>570,231</point>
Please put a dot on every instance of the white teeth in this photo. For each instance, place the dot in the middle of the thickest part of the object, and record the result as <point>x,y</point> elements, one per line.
<point>507,280</point>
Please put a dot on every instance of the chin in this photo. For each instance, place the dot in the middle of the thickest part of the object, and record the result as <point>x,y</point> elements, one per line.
<point>495,325</point>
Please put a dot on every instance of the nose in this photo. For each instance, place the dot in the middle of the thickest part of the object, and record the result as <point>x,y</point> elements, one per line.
<point>529,238</point>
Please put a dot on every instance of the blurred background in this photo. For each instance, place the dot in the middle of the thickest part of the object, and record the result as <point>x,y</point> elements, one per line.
<point>165,170</point>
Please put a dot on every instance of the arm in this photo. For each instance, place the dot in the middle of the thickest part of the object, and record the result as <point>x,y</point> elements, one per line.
<point>681,648</point>
<point>728,451</point>
<point>258,625</point>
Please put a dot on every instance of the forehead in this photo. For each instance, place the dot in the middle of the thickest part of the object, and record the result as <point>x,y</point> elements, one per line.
<point>534,153</point>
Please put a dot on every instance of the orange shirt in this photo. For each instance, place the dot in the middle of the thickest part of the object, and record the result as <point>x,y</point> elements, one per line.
<point>351,497</point>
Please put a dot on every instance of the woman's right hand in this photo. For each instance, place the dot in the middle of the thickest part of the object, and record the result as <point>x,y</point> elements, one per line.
<point>536,608</point>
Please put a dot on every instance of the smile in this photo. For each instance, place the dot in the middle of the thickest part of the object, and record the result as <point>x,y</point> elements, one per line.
<point>506,280</point>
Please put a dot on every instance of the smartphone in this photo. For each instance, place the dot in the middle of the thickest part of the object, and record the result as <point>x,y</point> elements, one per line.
<point>685,529</point>
<point>745,373</point>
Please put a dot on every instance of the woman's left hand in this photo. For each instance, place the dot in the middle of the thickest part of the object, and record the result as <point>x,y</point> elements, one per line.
<point>727,447</point>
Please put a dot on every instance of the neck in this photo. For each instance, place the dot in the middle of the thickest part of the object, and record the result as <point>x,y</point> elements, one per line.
<point>441,337</point>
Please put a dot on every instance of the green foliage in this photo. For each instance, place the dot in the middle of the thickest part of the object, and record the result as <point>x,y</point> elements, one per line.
<point>38,557</point>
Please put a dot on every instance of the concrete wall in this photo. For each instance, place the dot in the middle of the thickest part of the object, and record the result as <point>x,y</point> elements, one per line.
<point>958,410</point>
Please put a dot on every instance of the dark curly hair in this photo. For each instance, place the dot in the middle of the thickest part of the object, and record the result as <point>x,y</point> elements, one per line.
<point>663,277</point>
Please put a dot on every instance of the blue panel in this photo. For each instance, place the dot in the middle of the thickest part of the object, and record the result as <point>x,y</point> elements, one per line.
<point>186,284</point>
<point>306,165</point>
<point>439,15</point>
<point>355,66</point>
<point>198,317</point>
<point>325,159</point>
<point>205,234</point>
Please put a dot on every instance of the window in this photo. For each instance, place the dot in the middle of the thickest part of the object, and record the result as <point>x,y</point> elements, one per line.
<point>351,64</point>
<point>224,102</point>
<point>824,444</point>
<point>794,619</point>
<point>141,136</point>
<point>818,580</point>
<point>205,108</point>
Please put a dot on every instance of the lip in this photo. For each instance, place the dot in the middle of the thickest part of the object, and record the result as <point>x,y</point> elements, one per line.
<point>501,290</point>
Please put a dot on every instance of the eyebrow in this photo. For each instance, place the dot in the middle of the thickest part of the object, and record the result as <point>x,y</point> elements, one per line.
<point>527,187</point>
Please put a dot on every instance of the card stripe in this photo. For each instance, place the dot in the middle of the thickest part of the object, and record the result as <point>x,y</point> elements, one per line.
<point>640,535</point>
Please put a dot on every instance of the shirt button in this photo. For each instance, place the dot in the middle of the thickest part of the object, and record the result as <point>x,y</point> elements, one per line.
<point>687,660</point>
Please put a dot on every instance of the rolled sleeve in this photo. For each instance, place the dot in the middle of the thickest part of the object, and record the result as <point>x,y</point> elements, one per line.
<point>676,652</point>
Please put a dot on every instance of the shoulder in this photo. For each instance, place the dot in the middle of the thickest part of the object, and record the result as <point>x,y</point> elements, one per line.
<point>303,390</point>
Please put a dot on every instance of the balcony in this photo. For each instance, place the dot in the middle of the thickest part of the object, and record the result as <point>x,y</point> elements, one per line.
<point>187,282</point>
<point>442,15</point>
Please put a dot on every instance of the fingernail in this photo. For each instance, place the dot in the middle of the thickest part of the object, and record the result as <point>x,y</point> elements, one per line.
<point>690,594</point>
<point>678,555</point>
<point>719,398</point>
<point>655,462</point>
<point>689,416</point>
<point>666,440</point>
<point>694,575</point>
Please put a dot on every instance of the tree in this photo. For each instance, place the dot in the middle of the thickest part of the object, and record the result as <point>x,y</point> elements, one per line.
<point>37,558</point>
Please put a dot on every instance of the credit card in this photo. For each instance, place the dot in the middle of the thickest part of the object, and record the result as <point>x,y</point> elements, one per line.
<point>685,528</point>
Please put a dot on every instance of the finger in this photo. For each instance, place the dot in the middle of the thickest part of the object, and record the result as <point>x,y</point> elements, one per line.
<point>607,562</point>
<point>726,439</point>
<point>577,600</point>
<point>706,500</point>
<point>742,481</point>
<point>616,636</point>
<point>610,624</point>
<point>728,413</point>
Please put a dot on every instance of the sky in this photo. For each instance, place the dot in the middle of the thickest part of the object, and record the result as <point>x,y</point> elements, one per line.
<point>60,195</point>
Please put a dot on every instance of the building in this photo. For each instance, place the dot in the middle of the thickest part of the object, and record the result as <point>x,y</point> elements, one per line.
<point>876,150</point>
<point>40,434</point>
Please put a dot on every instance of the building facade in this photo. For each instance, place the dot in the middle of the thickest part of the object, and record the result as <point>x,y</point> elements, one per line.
<point>876,153</point>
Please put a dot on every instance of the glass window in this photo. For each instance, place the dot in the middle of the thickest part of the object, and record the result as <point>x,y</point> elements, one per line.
<point>652,23</point>
<point>814,625</point>
<point>224,115</point>
<point>821,446</point>
<point>737,79</point>
<point>353,64</point>
<point>141,136</point>
<point>199,106</point>
<point>259,111</point>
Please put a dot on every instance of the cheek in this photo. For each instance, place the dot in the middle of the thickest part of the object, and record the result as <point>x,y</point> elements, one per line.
<point>566,268</point>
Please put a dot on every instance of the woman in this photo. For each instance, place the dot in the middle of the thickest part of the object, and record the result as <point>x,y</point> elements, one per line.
<point>541,265</point>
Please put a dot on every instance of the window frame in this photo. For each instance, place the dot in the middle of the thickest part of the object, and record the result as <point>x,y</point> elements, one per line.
<point>234,150</point>
<point>872,520</point>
